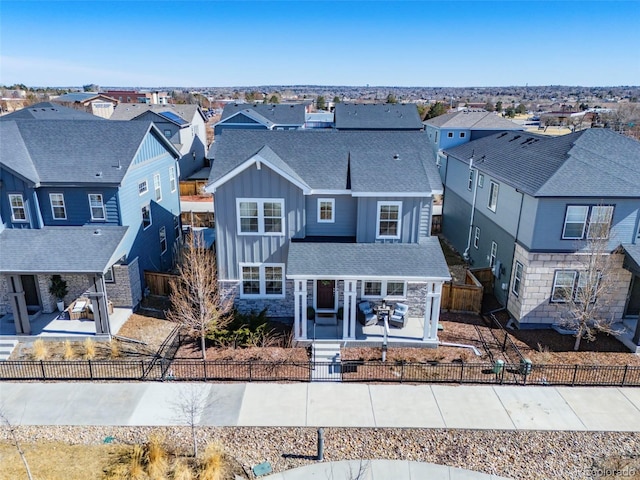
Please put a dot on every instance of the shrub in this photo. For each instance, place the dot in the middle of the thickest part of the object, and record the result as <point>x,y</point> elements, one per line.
<point>156,458</point>
<point>69,353</point>
<point>214,463</point>
<point>245,330</point>
<point>89,349</point>
<point>115,349</point>
<point>40,350</point>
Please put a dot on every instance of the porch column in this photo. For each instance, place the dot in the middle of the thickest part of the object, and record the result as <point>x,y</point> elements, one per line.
<point>349,310</point>
<point>300,306</point>
<point>432,311</point>
<point>98,298</point>
<point>18,306</point>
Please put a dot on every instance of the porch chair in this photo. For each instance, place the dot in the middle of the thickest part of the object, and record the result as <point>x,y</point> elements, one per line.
<point>366,316</point>
<point>399,316</point>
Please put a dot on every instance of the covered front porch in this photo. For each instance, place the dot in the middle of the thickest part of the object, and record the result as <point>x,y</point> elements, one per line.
<point>331,279</point>
<point>77,257</point>
<point>629,328</point>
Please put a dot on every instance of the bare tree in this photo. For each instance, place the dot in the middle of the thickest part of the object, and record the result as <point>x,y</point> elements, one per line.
<point>587,292</point>
<point>196,302</point>
<point>16,443</point>
<point>189,407</point>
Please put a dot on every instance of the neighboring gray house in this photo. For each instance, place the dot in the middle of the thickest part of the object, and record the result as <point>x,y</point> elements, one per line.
<point>261,116</point>
<point>323,219</point>
<point>525,204</point>
<point>183,125</point>
<point>453,129</point>
<point>95,103</point>
<point>94,201</point>
<point>48,111</point>
<point>377,116</point>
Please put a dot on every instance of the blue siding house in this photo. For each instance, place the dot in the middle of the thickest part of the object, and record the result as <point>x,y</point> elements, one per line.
<point>261,116</point>
<point>324,219</point>
<point>94,201</point>
<point>527,206</point>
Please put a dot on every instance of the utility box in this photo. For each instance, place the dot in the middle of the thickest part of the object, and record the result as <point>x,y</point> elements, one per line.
<point>525,366</point>
<point>498,366</point>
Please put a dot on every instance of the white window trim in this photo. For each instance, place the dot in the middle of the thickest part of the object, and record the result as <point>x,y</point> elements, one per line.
<point>332,202</point>
<point>261,202</point>
<point>493,255</point>
<point>23,208</point>
<point>383,288</point>
<point>476,237</point>
<point>480,180</point>
<point>157,187</point>
<point>113,275</point>
<point>262,280</point>
<point>384,203</point>
<point>91,207</point>
<point>162,232</point>
<point>584,222</point>
<point>463,134</point>
<point>449,134</point>
<point>494,187</point>
<point>177,229</point>
<point>64,206</point>
<point>172,179</point>
<point>150,216</point>
<point>517,279</point>
<point>470,180</point>
<point>146,187</point>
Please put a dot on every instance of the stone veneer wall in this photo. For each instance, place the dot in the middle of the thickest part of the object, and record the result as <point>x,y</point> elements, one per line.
<point>5,306</point>
<point>78,285</point>
<point>126,291</point>
<point>533,305</point>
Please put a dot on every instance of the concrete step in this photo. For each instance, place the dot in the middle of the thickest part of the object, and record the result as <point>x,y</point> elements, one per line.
<point>327,362</point>
<point>6,348</point>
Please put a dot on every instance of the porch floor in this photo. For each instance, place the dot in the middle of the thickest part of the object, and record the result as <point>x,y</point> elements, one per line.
<point>411,333</point>
<point>627,328</point>
<point>48,325</point>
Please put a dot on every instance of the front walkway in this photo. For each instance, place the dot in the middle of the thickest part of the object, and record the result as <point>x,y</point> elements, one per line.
<point>48,325</point>
<point>478,407</point>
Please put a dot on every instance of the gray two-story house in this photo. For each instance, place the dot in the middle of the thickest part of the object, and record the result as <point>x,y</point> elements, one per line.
<point>94,201</point>
<point>324,219</point>
<point>528,205</point>
<point>261,116</point>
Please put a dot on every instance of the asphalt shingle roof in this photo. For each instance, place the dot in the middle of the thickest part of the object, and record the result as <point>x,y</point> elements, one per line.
<point>377,116</point>
<point>473,120</point>
<point>129,111</point>
<point>321,158</point>
<point>633,255</point>
<point>423,260</point>
<point>279,114</point>
<point>77,249</point>
<point>592,163</point>
<point>14,154</point>
<point>64,151</point>
<point>49,111</point>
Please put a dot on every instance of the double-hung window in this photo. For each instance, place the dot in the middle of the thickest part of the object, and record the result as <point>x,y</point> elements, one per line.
<point>476,237</point>
<point>260,216</point>
<point>96,205</point>
<point>176,226</point>
<point>470,181</point>
<point>157,187</point>
<point>262,280</point>
<point>163,240</point>
<point>493,196</point>
<point>143,187</point>
<point>18,211</point>
<point>494,254</point>
<point>326,209</point>
<point>172,179</point>
<point>517,279</point>
<point>581,287</point>
<point>146,217</point>
<point>384,288</point>
<point>388,221</point>
<point>581,220</point>
<point>57,206</point>
<point>563,284</point>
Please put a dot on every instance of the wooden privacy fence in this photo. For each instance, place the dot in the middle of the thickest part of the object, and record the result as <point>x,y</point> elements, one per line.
<point>484,276</point>
<point>197,219</point>
<point>463,298</point>
<point>158,283</point>
<point>192,187</point>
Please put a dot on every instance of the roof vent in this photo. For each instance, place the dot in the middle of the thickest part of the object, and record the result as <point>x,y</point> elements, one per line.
<point>97,231</point>
<point>396,156</point>
<point>99,174</point>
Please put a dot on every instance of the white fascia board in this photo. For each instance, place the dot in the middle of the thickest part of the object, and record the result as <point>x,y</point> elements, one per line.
<point>368,277</point>
<point>256,160</point>
<point>392,194</point>
<point>321,191</point>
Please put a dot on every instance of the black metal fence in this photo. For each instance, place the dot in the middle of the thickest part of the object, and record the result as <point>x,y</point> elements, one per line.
<point>160,369</point>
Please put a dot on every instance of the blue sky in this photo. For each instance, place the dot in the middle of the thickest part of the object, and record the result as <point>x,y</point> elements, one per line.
<point>245,43</point>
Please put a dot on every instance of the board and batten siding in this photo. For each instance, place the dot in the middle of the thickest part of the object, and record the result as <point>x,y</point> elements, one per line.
<point>345,214</point>
<point>410,225</point>
<point>232,248</point>
<point>11,184</point>
<point>76,202</point>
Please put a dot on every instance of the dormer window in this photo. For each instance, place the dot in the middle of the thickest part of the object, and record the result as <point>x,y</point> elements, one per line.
<point>96,205</point>
<point>57,206</point>
<point>18,211</point>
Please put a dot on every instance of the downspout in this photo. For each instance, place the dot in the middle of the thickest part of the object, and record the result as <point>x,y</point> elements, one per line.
<point>465,255</point>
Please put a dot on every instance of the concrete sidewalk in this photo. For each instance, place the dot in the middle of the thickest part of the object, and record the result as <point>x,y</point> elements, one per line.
<point>325,405</point>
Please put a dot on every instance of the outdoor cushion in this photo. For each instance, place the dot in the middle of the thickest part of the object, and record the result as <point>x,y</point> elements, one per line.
<point>79,306</point>
<point>399,316</point>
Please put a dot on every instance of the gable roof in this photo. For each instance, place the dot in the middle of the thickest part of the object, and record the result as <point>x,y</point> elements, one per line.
<point>377,116</point>
<point>473,120</point>
<point>276,113</point>
<point>49,111</point>
<point>591,163</point>
<point>82,97</point>
<point>129,111</point>
<point>67,242</point>
<point>71,151</point>
<point>322,159</point>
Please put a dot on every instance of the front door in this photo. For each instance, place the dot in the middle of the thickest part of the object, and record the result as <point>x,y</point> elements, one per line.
<point>325,294</point>
<point>633,303</point>
<point>30,288</point>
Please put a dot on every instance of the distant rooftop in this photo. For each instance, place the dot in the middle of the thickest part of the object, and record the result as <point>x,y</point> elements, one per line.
<point>377,116</point>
